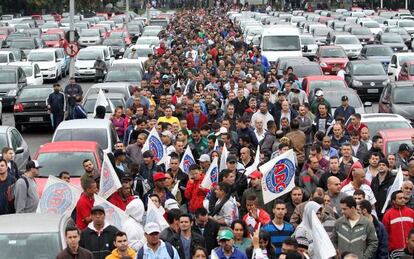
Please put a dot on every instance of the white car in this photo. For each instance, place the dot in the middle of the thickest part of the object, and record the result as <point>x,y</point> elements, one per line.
<point>373,26</point>
<point>394,67</point>
<point>90,37</point>
<point>309,41</point>
<point>148,41</point>
<point>32,71</point>
<point>48,61</point>
<point>349,43</point>
<point>6,57</point>
<point>407,24</point>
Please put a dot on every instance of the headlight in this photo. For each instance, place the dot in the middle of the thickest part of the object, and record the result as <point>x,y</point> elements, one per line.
<point>51,69</point>
<point>323,65</point>
<point>356,83</point>
<point>12,93</point>
<point>385,82</point>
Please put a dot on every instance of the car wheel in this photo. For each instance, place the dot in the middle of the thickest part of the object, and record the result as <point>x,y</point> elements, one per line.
<point>19,127</point>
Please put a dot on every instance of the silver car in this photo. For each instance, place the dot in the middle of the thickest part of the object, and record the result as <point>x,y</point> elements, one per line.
<point>11,137</point>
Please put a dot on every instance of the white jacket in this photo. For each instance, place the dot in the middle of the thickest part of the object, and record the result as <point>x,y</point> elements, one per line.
<point>133,226</point>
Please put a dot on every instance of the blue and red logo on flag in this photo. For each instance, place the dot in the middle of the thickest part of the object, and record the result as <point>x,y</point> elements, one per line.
<point>157,149</point>
<point>111,215</point>
<point>214,176</point>
<point>108,182</point>
<point>280,176</point>
<point>188,161</point>
<point>56,199</point>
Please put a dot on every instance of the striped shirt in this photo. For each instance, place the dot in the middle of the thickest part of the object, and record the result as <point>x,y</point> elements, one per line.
<point>277,236</point>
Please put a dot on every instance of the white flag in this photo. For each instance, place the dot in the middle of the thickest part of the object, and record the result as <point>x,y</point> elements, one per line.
<point>154,214</point>
<point>113,215</point>
<point>178,85</point>
<point>211,177</point>
<point>187,160</point>
<point>278,176</point>
<point>216,145</point>
<point>223,158</point>
<point>322,244</point>
<point>185,92</point>
<point>174,190</point>
<point>109,181</point>
<point>253,167</point>
<point>154,144</point>
<point>100,101</point>
<point>58,197</point>
<point>399,179</point>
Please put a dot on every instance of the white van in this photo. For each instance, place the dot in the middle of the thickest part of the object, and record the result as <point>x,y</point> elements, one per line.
<point>280,41</point>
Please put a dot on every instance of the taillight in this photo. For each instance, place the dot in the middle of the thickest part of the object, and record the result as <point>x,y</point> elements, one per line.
<point>18,107</point>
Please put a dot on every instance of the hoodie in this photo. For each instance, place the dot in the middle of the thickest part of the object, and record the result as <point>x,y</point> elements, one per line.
<point>99,243</point>
<point>133,226</point>
<point>115,254</point>
<point>304,229</point>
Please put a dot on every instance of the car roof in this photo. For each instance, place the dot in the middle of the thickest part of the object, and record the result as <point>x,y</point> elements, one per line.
<point>368,117</point>
<point>396,134</point>
<point>69,146</point>
<point>43,50</point>
<point>323,78</point>
<point>31,223</point>
<point>364,62</point>
<point>85,124</point>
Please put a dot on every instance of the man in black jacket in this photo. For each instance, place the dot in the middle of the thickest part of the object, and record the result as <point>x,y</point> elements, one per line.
<point>72,90</point>
<point>380,185</point>
<point>12,169</point>
<point>207,228</point>
<point>186,240</point>
<point>98,237</point>
<point>56,105</point>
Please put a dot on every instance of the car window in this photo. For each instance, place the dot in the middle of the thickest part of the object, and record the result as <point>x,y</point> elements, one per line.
<point>53,163</point>
<point>97,135</point>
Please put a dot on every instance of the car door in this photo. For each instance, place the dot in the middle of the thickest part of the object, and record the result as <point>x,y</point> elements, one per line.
<point>62,61</point>
<point>18,144</point>
<point>392,67</point>
<point>38,76</point>
<point>385,99</point>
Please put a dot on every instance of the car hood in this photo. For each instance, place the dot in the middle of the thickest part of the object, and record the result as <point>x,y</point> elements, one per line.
<point>89,38</point>
<point>32,99</point>
<point>380,58</point>
<point>405,110</point>
<point>45,64</point>
<point>84,63</point>
<point>333,60</point>
<point>395,45</point>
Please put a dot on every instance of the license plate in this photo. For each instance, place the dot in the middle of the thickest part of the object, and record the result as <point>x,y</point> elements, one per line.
<point>36,119</point>
<point>372,91</point>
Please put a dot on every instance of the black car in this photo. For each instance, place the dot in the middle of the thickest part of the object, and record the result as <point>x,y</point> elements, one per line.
<point>367,77</point>
<point>393,40</point>
<point>118,46</point>
<point>30,107</point>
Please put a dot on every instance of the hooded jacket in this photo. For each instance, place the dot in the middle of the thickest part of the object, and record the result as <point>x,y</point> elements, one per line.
<point>133,226</point>
<point>115,254</point>
<point>99,243</point>
<point>304,229</point>
<point>195,194</point>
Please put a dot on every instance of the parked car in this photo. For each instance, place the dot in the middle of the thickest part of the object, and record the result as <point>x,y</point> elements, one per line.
<point>332,96</point>
<point>11,137</point>
<point>90,37</point>
<point>367,77</point>
<point>115,100</point>
<point>392,40</point>
<point>118,46</point>
<point>309,41</point>
<point>98,130</point>
<point>53,40</point>
<point>37,235</point>
<point>311,83</point>
<point>377,52</point>
<point>398,98</point>
<point>331,59</point>
<point>124,88</point>
<point>12,79</point>
<point>350,43</point>
<point>32,71</point>
<point>49,63</point>
<point>6,57</point>
<point>363,34</point>
<point>393,138</point>
<point>67,156</point>
<point>30,107</point>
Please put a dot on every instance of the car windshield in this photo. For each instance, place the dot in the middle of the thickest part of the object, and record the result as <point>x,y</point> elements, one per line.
<point>379,51</point>
<point>347,40</point>
<point>89,105</point>
<point>321,31</point>
<point>28,70</point>
<point>281,43</point>
<point>396,38</point>
<point>403,95</point>
<point>332,53</point>
<point>89,33</point>
<point>307,40</point>
<point>89,55</point>
<point>406,23</point>
<point>97,135</point>
<point>400,31</point>
<point>49,25</point>
<point>150,33</point>
<point>22,44</point>
<point>332,97</point>
<point>123,76</point>
<point>113,42</point>
<point>50,37</point>
<point>371,25</point>
<point>393,146</point>
<point>326,84</point>
<point>3,58</point>
<point>361,31</point>
<point>3,140</point>
<point>30,245</point>
<point>139,53</point>
<point>147,41</point>
<point>7,77</point>
<point>374,126</point>
<point>41,56</point>
<point>307,70</point>
<point>53,163</point>
<point>33,93</point>
<point>117,34</point>
<point>369,69</point>
<point>404,59</point>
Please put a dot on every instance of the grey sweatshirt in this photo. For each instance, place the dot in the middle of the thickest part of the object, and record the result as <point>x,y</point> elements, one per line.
<point>25,201</point>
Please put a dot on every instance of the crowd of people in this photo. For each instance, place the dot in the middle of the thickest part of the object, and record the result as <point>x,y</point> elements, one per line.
<point>204,86</point>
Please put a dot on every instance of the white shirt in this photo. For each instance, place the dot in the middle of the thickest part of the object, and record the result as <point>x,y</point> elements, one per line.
<point>369,195</point>
<point>259,136</point>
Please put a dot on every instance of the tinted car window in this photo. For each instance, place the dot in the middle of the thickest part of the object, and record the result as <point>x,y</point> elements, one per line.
<point>54,163</point>
<point>97,135</point>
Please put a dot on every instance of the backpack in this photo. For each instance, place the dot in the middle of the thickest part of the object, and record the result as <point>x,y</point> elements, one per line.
<point>169,247</point>
<point>10,194</point>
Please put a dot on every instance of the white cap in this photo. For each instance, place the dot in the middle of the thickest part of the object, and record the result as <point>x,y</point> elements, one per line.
<point>222,130</point>
<point>167,133</point>
<point>319,93</point>
<point>152,227</point>
<point>204,158</point>
<point>171,204</point>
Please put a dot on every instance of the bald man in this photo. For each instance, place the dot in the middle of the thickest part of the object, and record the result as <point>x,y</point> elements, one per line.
<point>246,157</point>
<point>334,192</point>
<point>358,182</point>
<point>407,188</point>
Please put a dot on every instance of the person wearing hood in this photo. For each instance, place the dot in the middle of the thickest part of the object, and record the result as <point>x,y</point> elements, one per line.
<point>133,226</point>
<point>122,249</point>
<point>98,237</point>
<point>298,93</point>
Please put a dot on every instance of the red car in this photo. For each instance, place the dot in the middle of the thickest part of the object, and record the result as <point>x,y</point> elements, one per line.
<point>67,156</point>
<point>407,72</point>
<point>58,31</point>
<point>120,33</point>
<point>393,138</point>
<point>310,83</point>
<point>53,40</point>
<point>331,59</point>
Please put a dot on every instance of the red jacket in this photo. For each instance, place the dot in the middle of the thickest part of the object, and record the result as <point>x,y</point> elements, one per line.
<point>195,194</point>
<point>262,217</point>
<point>398,223</point>
<point>83,210</point>
<point>190,121</point>
<point>116,200</point>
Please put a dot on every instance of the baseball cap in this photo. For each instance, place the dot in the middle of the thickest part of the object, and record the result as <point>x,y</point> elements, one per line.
<point>167,133</point>
<point>404,147</point>
<point>319,93</point>
<point>222,130</point>
<point>152,227</point>
<point>165,77</point>
<point>118,153</point>
<point>225,234</point>
<point>97,208</point>
<point>255,174</point>
<point>204,158</point>
<point>126,177</point>
<point>32,164</point>
<point>158,176</point>
<point>171,204</point>
<point>231,158</point>
<point>344,98</point>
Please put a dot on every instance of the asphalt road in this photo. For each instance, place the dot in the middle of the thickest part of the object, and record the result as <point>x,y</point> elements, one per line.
<point>36,136</point>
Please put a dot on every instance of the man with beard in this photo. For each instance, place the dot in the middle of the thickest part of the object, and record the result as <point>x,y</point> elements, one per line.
<point>56,105</point>
<point>90,172</point>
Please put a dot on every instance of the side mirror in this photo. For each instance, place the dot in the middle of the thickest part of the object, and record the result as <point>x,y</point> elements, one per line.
<point>390,73</point>
<point>367,104</point>
<point>19,150</point>
<point>38,75</point>
<point>305,48</point>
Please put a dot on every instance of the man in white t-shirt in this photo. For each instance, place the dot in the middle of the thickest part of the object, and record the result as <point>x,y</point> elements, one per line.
<point>358,183</point>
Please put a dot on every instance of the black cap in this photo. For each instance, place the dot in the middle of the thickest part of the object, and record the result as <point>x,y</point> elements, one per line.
<point>118,153</point>
<point>126,177</point>
<point>147,154</point>
<point>231,158</point>
<point>32,164</point>
<point>97,208</point>
<point>404,147</point>
<point>344,98</point>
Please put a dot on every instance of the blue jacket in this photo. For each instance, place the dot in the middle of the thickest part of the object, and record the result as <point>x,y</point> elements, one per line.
<point>382,250</point>
<point>264,60</point>
<point>237,254</point>
<point>79,112</point>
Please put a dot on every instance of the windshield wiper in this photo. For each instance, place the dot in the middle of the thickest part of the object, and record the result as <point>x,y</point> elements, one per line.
<point>404,102</point>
